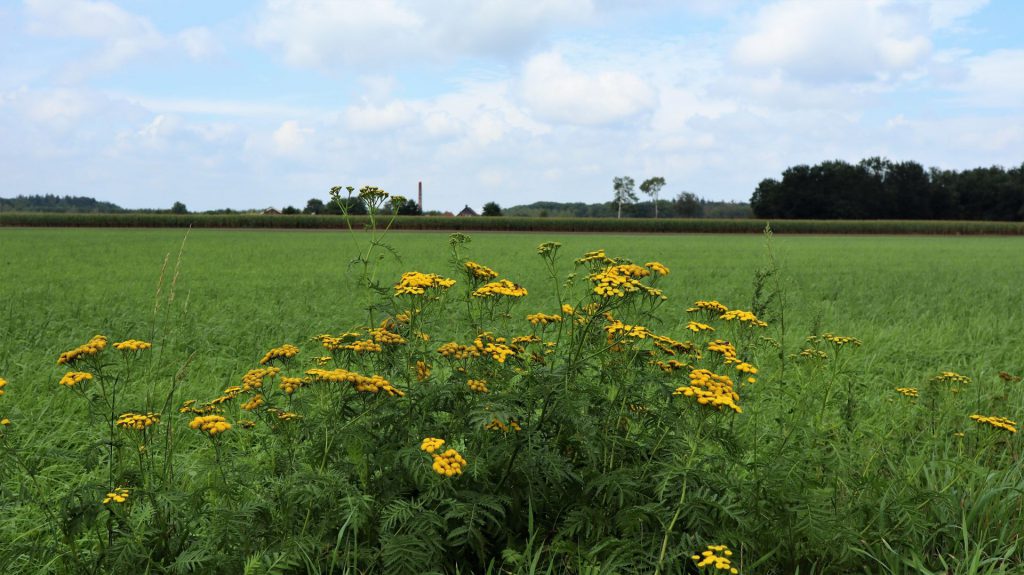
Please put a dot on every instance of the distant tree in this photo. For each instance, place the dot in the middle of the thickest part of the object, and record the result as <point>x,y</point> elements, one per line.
<point>314,206</point>
<point>179,208</point>
<point>651,187</point>
<point>290,210</point>
<point>688,205</point>
<point>624,193</point>
<point>492,209</point>
<point>409,208</point>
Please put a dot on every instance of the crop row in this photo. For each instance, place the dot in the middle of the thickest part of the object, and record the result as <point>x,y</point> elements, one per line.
<point>516,224</point>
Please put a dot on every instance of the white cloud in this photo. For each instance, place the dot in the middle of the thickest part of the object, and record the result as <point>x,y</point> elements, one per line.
<point>370,118</point>
<point>556,92</point>
<point>837,41</point>
<point>367,33</point>
<point>995,80</point>
<point>291,139</point>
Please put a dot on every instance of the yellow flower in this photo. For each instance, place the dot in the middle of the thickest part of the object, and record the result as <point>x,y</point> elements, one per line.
<point>431,444</point>
<point>716,556</point>
<point>500,288</point>
<point>657,268</point>
<point>253,404</point>
<point>907,391</point>
<point>290,384</point>
<point>118,495</point>
<point>711,389</point>
<point>286,351</point>
<point>747,318</point>
<point>92,347</point>
<point>841,340</point>
<point>478,385</point>
<point>422,371</point>
<point>3,384</point>
<point>212,425</point>
<point>449,463</point>
<point>132,345</point>
<point>480,272</point>
<point>5,422</point>
<point>567,309</point>
<point>137,421</point>
<point>416,283</point>
<point>697,327</point>
<point>996,422</point>
<point>952,377</point>
<point>73,378</point>
<point>708,306</point>
<point>543,318</point>
<point>372,384</point>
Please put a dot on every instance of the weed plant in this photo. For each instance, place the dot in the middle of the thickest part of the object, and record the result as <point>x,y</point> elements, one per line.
<point>452,425</point>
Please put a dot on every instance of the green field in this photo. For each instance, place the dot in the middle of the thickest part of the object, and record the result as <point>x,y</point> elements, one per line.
<point>827,470</point>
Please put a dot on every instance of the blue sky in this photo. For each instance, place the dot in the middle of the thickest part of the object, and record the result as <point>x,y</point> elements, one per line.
<point>256,104</point>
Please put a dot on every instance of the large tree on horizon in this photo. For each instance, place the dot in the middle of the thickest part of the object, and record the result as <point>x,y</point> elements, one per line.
<point>651,187</point>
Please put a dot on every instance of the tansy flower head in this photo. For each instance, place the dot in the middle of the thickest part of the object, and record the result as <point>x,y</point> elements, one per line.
<point>118,495</point>
<point>500,288</point>
<point>543,318</point>
<point>478,385</point>
<point>996,422</point>
<point>3,384</point>
<point>73,378</point>
<point>657,268</point>
<point>951,377</point>
<point>92,347</point>
<point>745,317</point>
<point>449,463</point>
<point>286,351</point>
<point>716,556</point>
<point>132,345</point>
<point>138,421</point>
<point>212,425</point>
<point>907,391</point>
<point>416,283</point>
<point>711,306</point>
<point>431,444</point>
<point>696,326</point>
<point>841,340</point>
<point>480,272</point>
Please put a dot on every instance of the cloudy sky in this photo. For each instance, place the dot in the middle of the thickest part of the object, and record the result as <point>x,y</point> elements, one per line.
<point>249,104</point>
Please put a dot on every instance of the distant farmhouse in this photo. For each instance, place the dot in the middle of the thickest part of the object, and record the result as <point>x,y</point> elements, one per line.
<point>467,211</point>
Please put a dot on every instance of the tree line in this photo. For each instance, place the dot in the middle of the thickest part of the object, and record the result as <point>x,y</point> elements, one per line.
<point>878,188</point>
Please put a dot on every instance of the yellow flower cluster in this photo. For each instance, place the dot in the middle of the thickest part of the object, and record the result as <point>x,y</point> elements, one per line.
<point>132,345</point>
<point>3,384</point>
<point>997,422</point>
<point>618,330</point>
<point>422,371</point>
<point>449,463</point>
<point>671,346</point>
<point>91,347</point>
<point>386,337</point>
<point>138,421</point>
<point>290,384</point>
<point>711,306</point>
<point>499,425</point>
<point>322,360</point>
<point>480,272</point>
<point>495,348</point>
<point>908,391</point>
<point>500,287</point>
<point>363,346</point>
<point>286,351</point>
<point>813,353</point>
<point>190,407</point>
<point>670,365</point>
<point>716,556</point>
<point>696,326</point>
<point>453,350</point>
<point>372,384</point>
<point>952,377</point>
<point>416,283</point>
<point>118,495</point>
<point>543,318</point>
<point>253,379</point>
<point>841,340</point>
<point>73,378</point>
<point>657,267</point>
<point>594,256</point>
<point>711,389</point>
<point>743,317</point>
<point>750,370</point>
<point>723,347</point>
<point>478,385</point>
<point>567,309</point>
<point>521,340</point>
<point>618,280</point>
<point>431,444</point>
<point>254,403</point>
<point>336,342</point>
<point>210,424</point>
<point>285,415</point>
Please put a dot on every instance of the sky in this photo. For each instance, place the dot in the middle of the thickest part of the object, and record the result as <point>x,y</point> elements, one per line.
<point>253,104</point>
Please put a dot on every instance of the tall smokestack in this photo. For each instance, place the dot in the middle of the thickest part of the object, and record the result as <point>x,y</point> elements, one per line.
<point>419,202</point>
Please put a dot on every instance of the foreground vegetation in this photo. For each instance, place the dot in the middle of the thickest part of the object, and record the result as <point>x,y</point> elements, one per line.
<point>594,454</point>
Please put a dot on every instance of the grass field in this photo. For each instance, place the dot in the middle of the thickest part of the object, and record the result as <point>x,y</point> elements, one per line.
<point>827,469</point>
